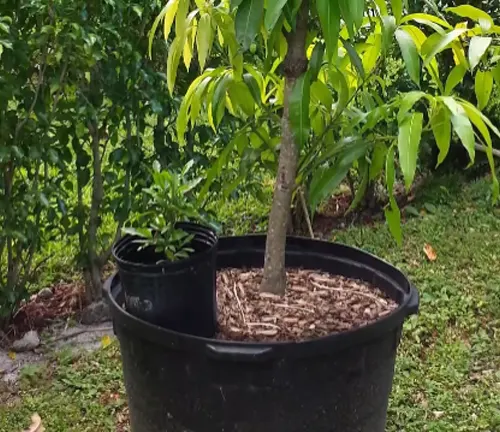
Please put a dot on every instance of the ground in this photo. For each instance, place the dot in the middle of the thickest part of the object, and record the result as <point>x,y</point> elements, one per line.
<point>447,376</point>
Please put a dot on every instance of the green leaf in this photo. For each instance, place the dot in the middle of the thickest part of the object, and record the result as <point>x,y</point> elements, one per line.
<point>240,95</point>
<point>156,23</point>
<point>441,128</point>
<point>496,74</point>
<point>408,102</point>
<point>378,159</point>
<point>477,48</point>
<point>316,60</point>
<point>352,12</point>
<point>299,109</point>
<point>461,125</point>
<point>364,172</point>
<point>247,22</point>
<point>392,213</point>
<point>397,9</point>
<point>355,59</point>
<point>326,179</point>
<point>424,18</point>
<point>467,11</point>
<point>204,38</point>
<point>273,13</point>
<point>388,30</point>
<point>455,77</point>
<point>173,60</point>
<point>329,17</point>
<point>437,43</point>
<point>338,78</point>
<point>410,134</point>
<point>483,88</point>
<point>410,55</point>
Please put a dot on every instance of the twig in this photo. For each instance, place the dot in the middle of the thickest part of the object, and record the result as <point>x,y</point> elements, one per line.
<point>306,212</point>
<point>264,325</point>
<point>239,304</point>
<point>484,149</point>
<point>361,293</point>
<point>284,306</point>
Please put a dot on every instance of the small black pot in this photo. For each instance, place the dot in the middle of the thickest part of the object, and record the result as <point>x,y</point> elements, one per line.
<point>341,383</point>
<point>180,295</point>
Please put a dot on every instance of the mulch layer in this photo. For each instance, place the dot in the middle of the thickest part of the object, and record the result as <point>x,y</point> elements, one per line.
<point>316,304</point>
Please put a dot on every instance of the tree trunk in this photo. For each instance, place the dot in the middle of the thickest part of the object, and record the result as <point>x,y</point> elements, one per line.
<point>295,65</point>
<point>94,287</point>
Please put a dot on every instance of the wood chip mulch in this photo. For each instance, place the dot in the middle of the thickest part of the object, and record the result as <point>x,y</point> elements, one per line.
<point>316,304</point>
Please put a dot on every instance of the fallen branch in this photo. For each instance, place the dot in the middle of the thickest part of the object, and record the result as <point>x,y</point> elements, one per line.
<point>485,149</point>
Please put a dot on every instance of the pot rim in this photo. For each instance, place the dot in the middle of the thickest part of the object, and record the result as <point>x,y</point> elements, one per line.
<point>202,233</point>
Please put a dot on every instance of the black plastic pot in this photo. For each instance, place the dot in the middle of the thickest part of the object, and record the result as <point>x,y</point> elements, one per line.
<point>176,295</point>
<point>341,383</point>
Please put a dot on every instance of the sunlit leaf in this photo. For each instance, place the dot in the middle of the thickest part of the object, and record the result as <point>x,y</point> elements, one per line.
<point>410,134</point>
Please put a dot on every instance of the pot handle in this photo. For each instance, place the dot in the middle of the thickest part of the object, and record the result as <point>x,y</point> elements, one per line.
<point>414,301</point>
<point>239,353</point>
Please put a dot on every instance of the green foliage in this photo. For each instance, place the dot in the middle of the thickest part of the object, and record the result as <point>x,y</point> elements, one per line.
<point>345,94</point>
<point>171,200</point>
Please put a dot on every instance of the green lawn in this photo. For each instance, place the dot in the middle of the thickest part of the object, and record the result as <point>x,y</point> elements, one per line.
<point>448,371</point>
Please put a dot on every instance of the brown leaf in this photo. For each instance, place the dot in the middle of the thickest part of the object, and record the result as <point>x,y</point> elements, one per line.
<point>430,253</point>
<point>36,424</point>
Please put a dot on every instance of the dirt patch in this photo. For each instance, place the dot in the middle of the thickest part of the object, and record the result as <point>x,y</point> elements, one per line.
<point>66,300</point>
<point>316,304</point>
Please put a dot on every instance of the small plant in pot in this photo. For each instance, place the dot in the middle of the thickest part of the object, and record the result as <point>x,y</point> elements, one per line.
<point>308,329</point>
<point>166,261</point>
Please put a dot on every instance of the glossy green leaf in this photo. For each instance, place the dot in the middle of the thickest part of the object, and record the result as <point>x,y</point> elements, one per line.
<point>477,48</point>
<point>483,88</point>
<point>355,59</point>
<point>440,43</point>
<point>273,13</point>
<point>461,125</point>
<point>329,17</point>
<point>410,134</point>
<point>204,38</point>
<point>496,74</point>
<point>410,55</point>
<point>316,60</point>
<point>173,60</point>
<point>388,30</point>
<point>247,22</point>
<point>441,127</point>
<point>455,77</point>
<point>377,160</point>
<point>468,11</point>
<point>299,109</point>
<point>408,101</point>
<point>423,17</point>
<point>397,9</point>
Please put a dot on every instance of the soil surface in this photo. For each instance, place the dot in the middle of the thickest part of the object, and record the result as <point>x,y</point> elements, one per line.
<point>316,304</point>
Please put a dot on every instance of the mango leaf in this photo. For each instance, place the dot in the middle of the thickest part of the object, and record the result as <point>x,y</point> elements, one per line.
<point>496,74</point>
<point>378,159</point>
<point>478,119</point>
<point>439,43</point>
<point>410,134</point>
<point>329,17</point>
<point>240,95</point>
<point>326,179</point>
<point>397,9</point>
<point>299,109</point>
<point>410,55</point>
<point>167,14</point>
<point>392,212</point>
<point>423,18</point>
<point>388,29</point>
<point>477,48</point>
<point>372,54</point>
<point>273,13</point>
<point>408,102</point>
<point>352,12</point>
<point>483,88</point>
<point>355,59</point>
<point>336,76</point>
<point>441,128</point>
<point>468,11</point>
<point>247,22</point>
<point>455,77</point>
<point>364,172</point>
<point>174,57</point>
<point>316,60</point>
<point>461,125</point>
<point>204,38</point>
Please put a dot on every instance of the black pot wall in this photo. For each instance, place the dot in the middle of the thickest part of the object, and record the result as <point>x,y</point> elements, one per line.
<point>341,383</point>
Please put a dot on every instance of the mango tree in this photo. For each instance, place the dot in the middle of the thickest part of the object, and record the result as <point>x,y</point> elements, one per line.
<point>303,80</point>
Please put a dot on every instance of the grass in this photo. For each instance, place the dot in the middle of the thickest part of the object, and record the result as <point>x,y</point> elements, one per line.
<point>447,377</point>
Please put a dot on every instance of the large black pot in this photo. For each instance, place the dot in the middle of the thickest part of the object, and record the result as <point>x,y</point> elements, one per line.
<point>176,295</point>
<point>341,383</point>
